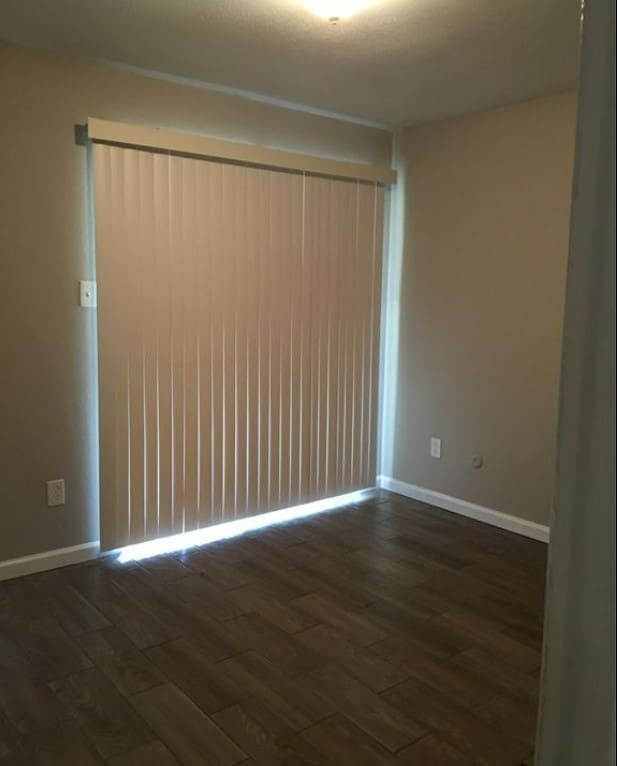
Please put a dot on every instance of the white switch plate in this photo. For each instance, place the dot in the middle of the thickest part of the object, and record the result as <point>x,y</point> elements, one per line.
<point>87,294</point>
<point>435,447</point>
<point>55,492</point>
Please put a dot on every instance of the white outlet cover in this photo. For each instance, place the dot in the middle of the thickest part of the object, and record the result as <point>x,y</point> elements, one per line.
<point>435,447</point>
<point>55,493</point>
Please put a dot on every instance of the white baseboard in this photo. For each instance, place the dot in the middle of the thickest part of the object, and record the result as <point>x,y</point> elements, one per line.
<point>61,557</point>
<point>41,562</point>
<point>465,508</point>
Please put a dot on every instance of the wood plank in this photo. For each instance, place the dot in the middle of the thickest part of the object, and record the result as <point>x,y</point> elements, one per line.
<point>25,704</point>
<point>360,662</point>
<point>165,568</point>
<point>488,635</point>
<point>74,613</point>
<point>214,639</point>
<point>457,682</point>
<point>9,737</point>
<point>430,751</point>
<point>108,721</point>
<point>405,629</point>
<point>456,725</point>
<point>295,703</point>
<point>204,681</point>
<point>48,649</point>
<point>256,729</point>
<point>265,638</point>
<point>197,589</point>
<point>188,733</point>
<point>118,658</point>
<point>278,579</point>
<point>216,570</point>
<point>354,626</point>
<point>341,741</point>
<point>152,754</point>
<point>431,554</point>
<point>515,683</point>
<point>371,712</point>
<point>63,744</point>
<point>124,610</point>
<point>261,598</point>
<point>511,718</point>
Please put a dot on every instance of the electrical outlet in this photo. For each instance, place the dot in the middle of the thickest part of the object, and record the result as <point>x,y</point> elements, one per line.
<point>55,492</point>
<point>435,447</point>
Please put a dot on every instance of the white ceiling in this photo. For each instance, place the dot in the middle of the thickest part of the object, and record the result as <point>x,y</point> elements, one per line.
<point>397,61</point>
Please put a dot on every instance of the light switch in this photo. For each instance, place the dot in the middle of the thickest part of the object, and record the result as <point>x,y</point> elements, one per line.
<point>435,447</point>
<point>87,294</point>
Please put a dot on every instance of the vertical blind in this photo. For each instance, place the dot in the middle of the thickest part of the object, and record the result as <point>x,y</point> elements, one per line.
<point>238,331</point>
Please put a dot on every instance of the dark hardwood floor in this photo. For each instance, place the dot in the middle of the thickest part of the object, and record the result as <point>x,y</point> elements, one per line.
<point>385,633</point>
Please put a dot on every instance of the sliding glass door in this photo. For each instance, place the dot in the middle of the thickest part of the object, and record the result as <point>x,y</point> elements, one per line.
<point>238,339</point>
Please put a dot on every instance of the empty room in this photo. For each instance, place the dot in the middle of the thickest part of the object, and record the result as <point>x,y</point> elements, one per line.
<point>307,347</point>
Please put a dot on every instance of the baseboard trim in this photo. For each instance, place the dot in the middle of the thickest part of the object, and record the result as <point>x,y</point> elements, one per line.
<point>465,508</point>
<point>75,554</point>
<point>41,562</point>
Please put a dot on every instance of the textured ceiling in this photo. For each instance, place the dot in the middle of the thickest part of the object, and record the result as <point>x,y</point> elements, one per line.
<point>396,62</point>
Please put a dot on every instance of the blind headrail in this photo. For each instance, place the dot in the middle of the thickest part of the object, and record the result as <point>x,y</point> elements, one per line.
<point>161,139</point>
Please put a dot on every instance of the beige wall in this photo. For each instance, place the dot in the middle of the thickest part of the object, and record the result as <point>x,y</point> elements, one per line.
<point>483,276</point>
<point>47,354</point>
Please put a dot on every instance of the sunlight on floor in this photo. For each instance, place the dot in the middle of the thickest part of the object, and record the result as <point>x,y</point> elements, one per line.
<point>181,542</point>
